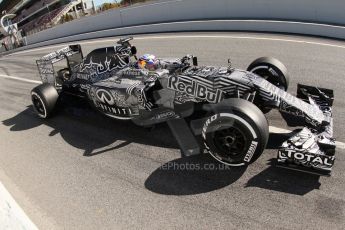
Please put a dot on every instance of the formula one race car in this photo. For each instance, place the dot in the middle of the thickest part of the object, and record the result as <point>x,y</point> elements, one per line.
<point>223,106</point>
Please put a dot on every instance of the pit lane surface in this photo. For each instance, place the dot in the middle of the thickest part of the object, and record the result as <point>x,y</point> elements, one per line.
<point>121,183</point>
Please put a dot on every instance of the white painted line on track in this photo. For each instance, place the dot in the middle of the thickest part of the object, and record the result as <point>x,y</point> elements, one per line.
<point>279,130</point>
<point>20,79</point>
<point>340,145</point>
<point>273,129</point>
<point>189,36</point>
<point>11,215</point>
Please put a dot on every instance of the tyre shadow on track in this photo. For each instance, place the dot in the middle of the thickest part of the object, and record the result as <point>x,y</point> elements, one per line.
<point>174,178</point>
<point>169,179</point>
<point>85,129</point>
<point>284,180</point>
<point>192,175</point>
<point>90,131</point>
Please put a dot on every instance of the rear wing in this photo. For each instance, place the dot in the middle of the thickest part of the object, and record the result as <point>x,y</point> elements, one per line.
<point>45,64</point>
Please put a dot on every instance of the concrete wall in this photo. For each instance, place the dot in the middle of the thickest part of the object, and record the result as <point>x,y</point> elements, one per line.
<point>317,11</point>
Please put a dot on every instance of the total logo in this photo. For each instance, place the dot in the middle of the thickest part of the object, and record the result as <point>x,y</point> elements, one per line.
<point>195,88</point>
<point>314,159</point>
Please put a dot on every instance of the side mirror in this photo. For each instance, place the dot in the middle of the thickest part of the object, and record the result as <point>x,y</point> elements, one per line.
<point>195,61</point>
<point>229,64</point>
<point>134,50</point>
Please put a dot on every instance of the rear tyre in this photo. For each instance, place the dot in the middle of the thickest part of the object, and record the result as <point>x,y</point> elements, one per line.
<point>44,98</point>
<point>237,132</point>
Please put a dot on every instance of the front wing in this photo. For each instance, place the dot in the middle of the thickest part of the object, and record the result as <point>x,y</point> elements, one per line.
<point>312,149</point>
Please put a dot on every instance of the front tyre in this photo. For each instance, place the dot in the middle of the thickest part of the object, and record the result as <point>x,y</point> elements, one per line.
<point>237,132</point>
<point>272,70</point>
<point>44,98</point>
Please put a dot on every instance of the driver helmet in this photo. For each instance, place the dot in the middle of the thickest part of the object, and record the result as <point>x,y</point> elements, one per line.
<point>148,61</point>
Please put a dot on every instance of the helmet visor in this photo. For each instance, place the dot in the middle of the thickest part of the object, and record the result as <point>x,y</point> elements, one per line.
<point>142,64</point>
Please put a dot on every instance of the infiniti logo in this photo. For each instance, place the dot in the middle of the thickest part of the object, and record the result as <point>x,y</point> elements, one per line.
<point>105,97</point>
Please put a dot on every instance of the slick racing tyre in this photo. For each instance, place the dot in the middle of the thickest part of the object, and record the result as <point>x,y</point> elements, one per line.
<point>44,98</point>
<point>272,70</point>
<point>236,133</point>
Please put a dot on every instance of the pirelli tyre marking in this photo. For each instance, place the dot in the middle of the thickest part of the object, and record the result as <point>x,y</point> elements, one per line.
<point>251,149</point>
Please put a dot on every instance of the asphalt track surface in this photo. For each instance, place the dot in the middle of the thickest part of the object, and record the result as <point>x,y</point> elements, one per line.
<point>122,183</point>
